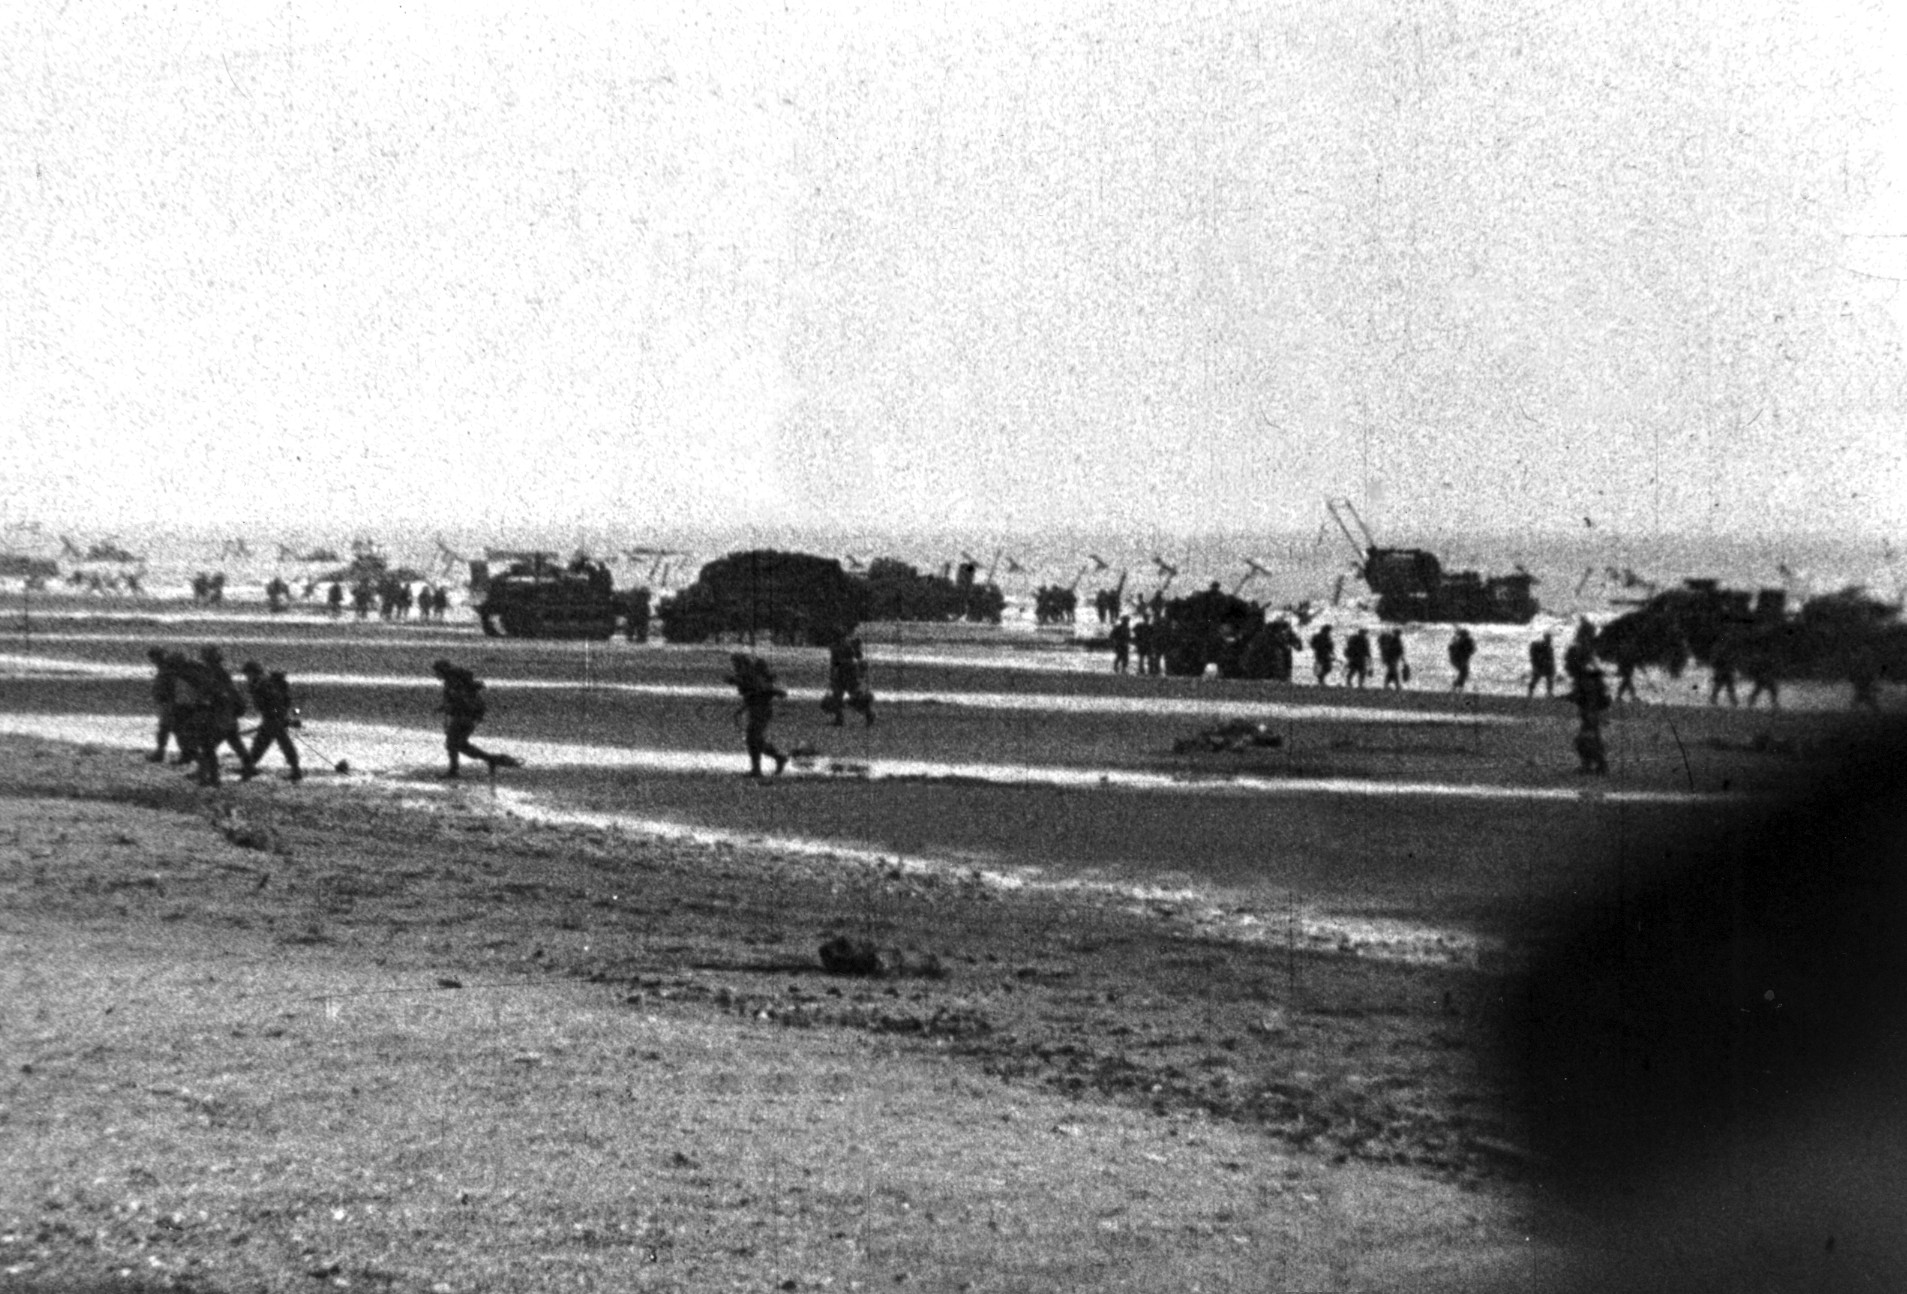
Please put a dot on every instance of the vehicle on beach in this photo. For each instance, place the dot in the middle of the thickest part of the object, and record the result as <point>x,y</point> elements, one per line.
<point>791,598</point>
<point>1849,636</point>
<point>24,566</point>
<point>1412,586</point>
<point>537,596</point>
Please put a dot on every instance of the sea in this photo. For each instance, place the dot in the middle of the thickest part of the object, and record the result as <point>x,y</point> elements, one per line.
<point>1591,573</point>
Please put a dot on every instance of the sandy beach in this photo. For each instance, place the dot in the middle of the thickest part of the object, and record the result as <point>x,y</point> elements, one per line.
<point>1217,1020</point>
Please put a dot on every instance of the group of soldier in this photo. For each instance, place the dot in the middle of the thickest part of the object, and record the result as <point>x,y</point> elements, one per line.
<point>393,600</point>
<point>199,707</point>
<point>755,683</point>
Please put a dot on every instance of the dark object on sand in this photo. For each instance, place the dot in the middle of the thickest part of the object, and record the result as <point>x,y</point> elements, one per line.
<point>1233,735</point>
<point>844,956</point>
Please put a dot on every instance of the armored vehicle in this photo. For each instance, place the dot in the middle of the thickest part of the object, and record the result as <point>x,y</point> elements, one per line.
<point>535,597</point>
<point>1412,585</point>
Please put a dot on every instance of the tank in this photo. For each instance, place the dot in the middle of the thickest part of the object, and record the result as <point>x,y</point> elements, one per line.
<point>539,599</point>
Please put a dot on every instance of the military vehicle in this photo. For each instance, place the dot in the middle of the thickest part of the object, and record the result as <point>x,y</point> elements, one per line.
<point>536,596</point>
<point>1412,585</point>
<point>25,566</point>
<point>793,598</point>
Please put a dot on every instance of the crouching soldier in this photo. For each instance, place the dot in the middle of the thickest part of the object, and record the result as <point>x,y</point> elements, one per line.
<point>271,697</point>
<point>751,677</point>
<point>463,709</point>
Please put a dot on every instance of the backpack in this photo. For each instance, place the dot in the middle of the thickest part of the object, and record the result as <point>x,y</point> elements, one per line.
<point>463,693</point>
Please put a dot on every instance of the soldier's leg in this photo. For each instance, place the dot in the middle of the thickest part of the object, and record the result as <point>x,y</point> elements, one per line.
<point>457,743</point>
<point>756,739</point>
<point>260,740</point>
<point>289,749</point>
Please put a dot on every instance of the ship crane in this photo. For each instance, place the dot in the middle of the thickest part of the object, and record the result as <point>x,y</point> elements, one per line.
<point>1341,508</point>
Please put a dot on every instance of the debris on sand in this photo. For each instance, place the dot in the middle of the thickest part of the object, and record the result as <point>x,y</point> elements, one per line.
<point>1232,735</point>
<point>844,956</point>
<point>1762,743</point>
<point>251,835</point>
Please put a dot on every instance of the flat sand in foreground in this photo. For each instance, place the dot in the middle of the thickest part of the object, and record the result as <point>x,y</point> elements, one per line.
<point>332,1037</point>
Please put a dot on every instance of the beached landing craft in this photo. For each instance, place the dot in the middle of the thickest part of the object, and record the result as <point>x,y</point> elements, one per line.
<point>1413,587</point>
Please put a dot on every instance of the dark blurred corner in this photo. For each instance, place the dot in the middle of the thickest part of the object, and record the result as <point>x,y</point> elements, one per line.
<point>1710,1057</point>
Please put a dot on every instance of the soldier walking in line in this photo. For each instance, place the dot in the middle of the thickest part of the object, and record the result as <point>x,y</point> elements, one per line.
<point>1591,698</point>
<point>206,709</point>
<point>847,682</point>
<point>1581,652</point>
<point>1462,648</point>
<point>1324,654</point>
<point>230,705</point>
<point>463,709</point>
<point>1357,658</point>
<point>165,702</point>
<point>271,697</point>
<point>1543,665</point>
<point>755,682</point>
<point>1390,650</point>
<point>1122,645</point>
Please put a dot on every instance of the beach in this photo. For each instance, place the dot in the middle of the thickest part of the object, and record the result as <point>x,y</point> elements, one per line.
<point>1245,1003</point>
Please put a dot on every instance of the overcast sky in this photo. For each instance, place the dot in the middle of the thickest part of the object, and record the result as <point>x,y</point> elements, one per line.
<point>1180,267</point>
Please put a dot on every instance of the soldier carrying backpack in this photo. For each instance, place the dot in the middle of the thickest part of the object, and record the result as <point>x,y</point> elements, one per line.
<point>463,709</point>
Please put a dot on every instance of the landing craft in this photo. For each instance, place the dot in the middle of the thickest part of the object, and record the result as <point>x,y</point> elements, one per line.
<point>1412,586</point>
<point>104,551</point>
<point>25,566</point>
<point>286,553</point>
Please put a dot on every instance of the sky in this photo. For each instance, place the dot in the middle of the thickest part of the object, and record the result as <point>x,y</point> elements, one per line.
<point>1178,267</point>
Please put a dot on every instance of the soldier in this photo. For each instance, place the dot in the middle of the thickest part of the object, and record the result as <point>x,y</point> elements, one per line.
<point>1324,654</point>
<point>1357,658</point>
<point>1581,652</point>
<point>1122,645</point>
<point>847,682</point>
<point>1543,664</point>
<point>752,678</point>
<point>230,705</point>
<point>334,600</point>
<point>463,709</point>
<point>165,702</point>
<point>1462,648</point>
<point>206,710</point>
<point>271,697</point>
<point>1390,650</point>
<point>1591,698</point>
<point>1143,636</point>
